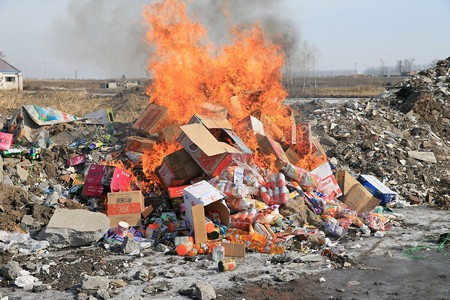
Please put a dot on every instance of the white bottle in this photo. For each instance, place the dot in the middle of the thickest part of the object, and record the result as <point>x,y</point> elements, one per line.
<point>218,253</point>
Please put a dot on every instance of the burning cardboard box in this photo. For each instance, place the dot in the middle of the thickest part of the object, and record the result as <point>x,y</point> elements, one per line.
<point>151,120</point>
<point>139,144</point>
<point>252,124</point>
<point>210,154</point>
<point>223,132</point>
<point>178,168</point>
<point>271,129</point>
<point>200,199</point>
<point>354,194</point>
<point>271,147</point>
<point>170,133</point>
<point>125,206</point>
<point>101,176</point>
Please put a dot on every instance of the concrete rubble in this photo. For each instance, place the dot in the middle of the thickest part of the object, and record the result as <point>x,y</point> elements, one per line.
<point>82,215</point>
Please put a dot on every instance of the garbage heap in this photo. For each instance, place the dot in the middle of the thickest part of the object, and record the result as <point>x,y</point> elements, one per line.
<point>192,188</point>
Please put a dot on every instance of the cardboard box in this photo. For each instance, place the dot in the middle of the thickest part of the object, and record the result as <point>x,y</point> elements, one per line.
<point>211,155</point>
<point>355,195</point>
<point>234,250</point>
<point>104,116</point>
<point>6,140</point>
<point>125,206</point>
<point>251,123</point>
<point>199,199</point>
<point>178,168</point>
<point>328,185</point>
<point>151,120</point>
<point>170,133</point>
<point>176,191</point>
<point>270,147</point>
<point>292,156</point>
<point>139,144</point>
<point>271,129</point>
<point>222,130</point>
<point>213,110</point>
<point>100,176</point>
<point>377,188</point>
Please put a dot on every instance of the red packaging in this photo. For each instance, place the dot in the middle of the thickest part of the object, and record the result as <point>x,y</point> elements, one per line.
<point>77,160</point>
<point>6,141</point>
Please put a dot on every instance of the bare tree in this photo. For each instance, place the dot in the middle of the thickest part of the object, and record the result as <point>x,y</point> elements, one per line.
<point>399,66</point>
<point>383,68</point>
<point>2,55</point>
<point>315,54</point>
<point>408,64</point>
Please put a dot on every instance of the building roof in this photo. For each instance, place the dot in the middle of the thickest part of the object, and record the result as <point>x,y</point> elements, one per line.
<point>7,68</point>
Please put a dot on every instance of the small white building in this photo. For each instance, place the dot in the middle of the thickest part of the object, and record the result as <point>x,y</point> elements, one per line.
<point>10,77</point>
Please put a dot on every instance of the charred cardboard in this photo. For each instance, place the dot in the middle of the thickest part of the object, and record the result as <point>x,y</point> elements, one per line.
<point>151,120</point>
<point>199,199</point>
<point>178,168</point>
<point>139,144</point>
<point>328,185</point>
<point>270,147</point>
<point>210,154</point>
<point>222,130</point>
<point>292,156</point>
<point>354,194</point>
<point>125,206</point>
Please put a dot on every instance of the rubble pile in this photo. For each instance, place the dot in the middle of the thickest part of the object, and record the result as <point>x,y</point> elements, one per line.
<point>198,190</point>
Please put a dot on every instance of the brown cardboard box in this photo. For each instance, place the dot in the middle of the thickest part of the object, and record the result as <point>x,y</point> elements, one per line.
<point>292,156</point>
<point>271,147</point>
<point>251,123</point>
<point>139,144</point>
<point>170,133</point>
<point>210,154</point>
<point>125,206</point>
<point>151,120</point>
<point>354,194</point>
<point>200,198</point>
<point>178,168</point>
<point>234,250</point>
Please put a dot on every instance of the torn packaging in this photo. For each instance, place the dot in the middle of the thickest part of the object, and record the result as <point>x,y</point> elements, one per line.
<point>211,155</point>
<point>328,185</point>
<point>354,194</point>
<point>222,130</point>
<point>201,198</point>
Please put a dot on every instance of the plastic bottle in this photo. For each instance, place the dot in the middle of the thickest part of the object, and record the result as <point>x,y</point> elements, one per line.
<point>218,253</point>
<point>227,264</point>
<point>185,247</point>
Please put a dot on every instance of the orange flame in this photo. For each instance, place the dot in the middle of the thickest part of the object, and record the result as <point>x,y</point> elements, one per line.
<point>188,71</point>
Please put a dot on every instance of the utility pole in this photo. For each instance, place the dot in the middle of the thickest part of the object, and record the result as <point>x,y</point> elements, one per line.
<point>45,70</point>
<point>76,73</point>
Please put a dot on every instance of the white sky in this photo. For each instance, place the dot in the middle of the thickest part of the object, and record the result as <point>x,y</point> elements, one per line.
<point>346,32</point>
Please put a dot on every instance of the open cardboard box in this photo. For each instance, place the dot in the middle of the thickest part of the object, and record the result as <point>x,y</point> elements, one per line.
<point>178,168</point>
<point>199,199</point>
<point>139,144</point>
<point>210,154</point>
<point>151,120</point>
<point>354,194</point>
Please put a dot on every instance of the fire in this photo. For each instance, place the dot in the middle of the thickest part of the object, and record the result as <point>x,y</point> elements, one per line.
<point>189,71</point>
